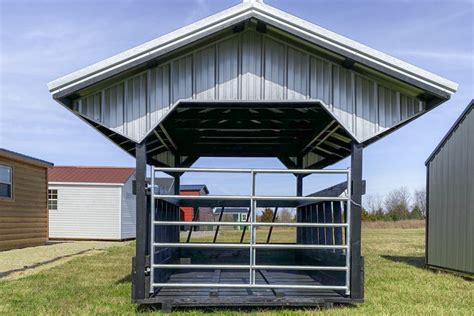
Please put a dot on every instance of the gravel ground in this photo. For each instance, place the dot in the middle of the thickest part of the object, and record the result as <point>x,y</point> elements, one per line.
<point>21,262</point>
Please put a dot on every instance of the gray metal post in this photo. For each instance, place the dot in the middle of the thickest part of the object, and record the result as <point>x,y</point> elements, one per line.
<point>357,286</point>
<point>138,286</point>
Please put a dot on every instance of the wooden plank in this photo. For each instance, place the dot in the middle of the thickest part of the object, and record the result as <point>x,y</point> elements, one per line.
<point>23,225</point>
<point>15,220</point>
<point>19,243</point>
<point>22,230</point>
<point>24,235</point>
<point>24,213</point>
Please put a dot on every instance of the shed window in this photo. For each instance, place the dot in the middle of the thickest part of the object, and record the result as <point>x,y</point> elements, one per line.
<point>52,200</point>
<point>6,182</point>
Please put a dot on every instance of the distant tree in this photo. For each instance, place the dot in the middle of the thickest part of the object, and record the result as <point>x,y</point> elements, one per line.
<point>416,213</point>
<point>267,215</point>
<point>374,208</point>
<point>284,215</point>
<point>397,204</point>
<point>364,215</point>
<point>419,201</point>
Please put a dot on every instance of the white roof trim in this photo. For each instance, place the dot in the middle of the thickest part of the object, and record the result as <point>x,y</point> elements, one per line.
<point>311,32</point>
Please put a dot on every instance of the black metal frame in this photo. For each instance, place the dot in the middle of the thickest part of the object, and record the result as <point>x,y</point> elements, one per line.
<point>140,273</point>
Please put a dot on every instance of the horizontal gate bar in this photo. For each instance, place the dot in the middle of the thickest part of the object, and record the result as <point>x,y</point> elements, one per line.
<point>248,197</point>
<point>244,246</point>
<point>237,170</point>
<point>172,223</point>
<point>243,266</point>
<point>255,286</point>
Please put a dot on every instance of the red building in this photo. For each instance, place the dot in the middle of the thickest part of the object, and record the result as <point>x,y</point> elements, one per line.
<point>187,213</point>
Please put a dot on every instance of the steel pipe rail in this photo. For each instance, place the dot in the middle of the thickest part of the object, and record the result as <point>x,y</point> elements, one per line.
<point>263,224</point>
<point>249,197</point>
<point>245,267</point>
<point>252,246</point>
<point>244,246</point>
<point>254,286</point>
<point>248,171</point>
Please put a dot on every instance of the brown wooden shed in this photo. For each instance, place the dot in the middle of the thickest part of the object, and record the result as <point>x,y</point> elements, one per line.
<point>23,200</point>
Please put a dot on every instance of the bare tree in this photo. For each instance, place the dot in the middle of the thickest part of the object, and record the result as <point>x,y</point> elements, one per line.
<point>397,203</point>
<point>419,200</point>
<point>374,203</point>
<point>285,215</point>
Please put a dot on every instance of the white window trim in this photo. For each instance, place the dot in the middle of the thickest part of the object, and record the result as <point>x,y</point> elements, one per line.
<point>50,199</point>
<point>10,198</point>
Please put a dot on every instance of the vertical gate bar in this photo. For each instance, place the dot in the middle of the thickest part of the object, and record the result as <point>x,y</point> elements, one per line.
<point>271,227</point>
<point>218,226</point>
<point>252,228</point>
<point>348,233</point>
<point>357,288</point>
<point>299,192</point>
<point>152,228</point>
<point>138,288</point>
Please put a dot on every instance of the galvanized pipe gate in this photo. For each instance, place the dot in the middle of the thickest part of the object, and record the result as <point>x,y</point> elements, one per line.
<point>252,225</point>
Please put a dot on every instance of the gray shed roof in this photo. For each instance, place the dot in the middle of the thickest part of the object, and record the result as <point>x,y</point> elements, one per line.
<point>166,185</point>
<point>324,38</point>
<point>28,159</point>
<point>463,115</point>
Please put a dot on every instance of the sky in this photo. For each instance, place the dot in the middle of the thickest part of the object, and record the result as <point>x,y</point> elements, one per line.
<point>42,40</point>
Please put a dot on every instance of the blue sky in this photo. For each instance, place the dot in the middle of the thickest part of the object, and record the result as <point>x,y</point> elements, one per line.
<point>43,40</point>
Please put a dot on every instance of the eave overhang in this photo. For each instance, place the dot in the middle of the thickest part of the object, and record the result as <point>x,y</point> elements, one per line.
<point>359,54</point>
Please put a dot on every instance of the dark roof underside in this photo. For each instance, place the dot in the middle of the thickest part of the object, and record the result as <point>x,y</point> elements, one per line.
<point>250,129</point>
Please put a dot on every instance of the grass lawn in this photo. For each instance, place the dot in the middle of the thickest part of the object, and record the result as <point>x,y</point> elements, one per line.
<point>395,283</point>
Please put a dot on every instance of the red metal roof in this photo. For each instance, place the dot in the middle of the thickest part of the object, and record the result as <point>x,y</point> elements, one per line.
<point>90,174</point>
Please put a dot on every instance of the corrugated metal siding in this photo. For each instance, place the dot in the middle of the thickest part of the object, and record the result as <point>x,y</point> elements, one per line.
<point>86,211</point>
<point>250,66</point>
<point>451,201</point>
<point>128,220</point>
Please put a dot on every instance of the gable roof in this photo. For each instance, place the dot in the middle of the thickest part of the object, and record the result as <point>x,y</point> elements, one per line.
<point>109,175</point>
<point>166,186</point>
<point>453,128</point>
<point>193,187</point>
<point>312,33</point>
<point>24,158</point>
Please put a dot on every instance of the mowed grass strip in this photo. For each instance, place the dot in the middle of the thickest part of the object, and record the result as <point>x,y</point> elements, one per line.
<point>396,283</point>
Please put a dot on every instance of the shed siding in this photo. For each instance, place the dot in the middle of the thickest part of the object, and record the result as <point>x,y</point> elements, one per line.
<point>451,201</point>
<point>251,66</point>
<point>24,219</point>
<point>128,210</point>
<point>86,211</point>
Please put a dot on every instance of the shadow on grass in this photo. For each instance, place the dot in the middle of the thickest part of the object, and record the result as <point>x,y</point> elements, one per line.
<point>231,310</point>
<point>39,264</point>
<point>418,262</point>
<point>125,279</point>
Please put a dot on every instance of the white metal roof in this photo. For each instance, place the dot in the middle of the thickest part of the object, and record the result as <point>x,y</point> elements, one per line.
<point>341,45</point>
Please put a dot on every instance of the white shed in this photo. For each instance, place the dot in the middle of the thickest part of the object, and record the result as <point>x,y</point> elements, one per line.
<point>91,203</point>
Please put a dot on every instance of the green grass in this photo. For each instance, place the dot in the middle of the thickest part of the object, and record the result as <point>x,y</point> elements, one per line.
<point>395,283</point>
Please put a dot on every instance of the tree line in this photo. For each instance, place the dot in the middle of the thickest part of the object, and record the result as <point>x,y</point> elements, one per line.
<point>398,204</point>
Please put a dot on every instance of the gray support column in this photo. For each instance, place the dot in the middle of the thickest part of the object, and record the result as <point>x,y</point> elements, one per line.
<point>357,286</point>
<point>138,287</point>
